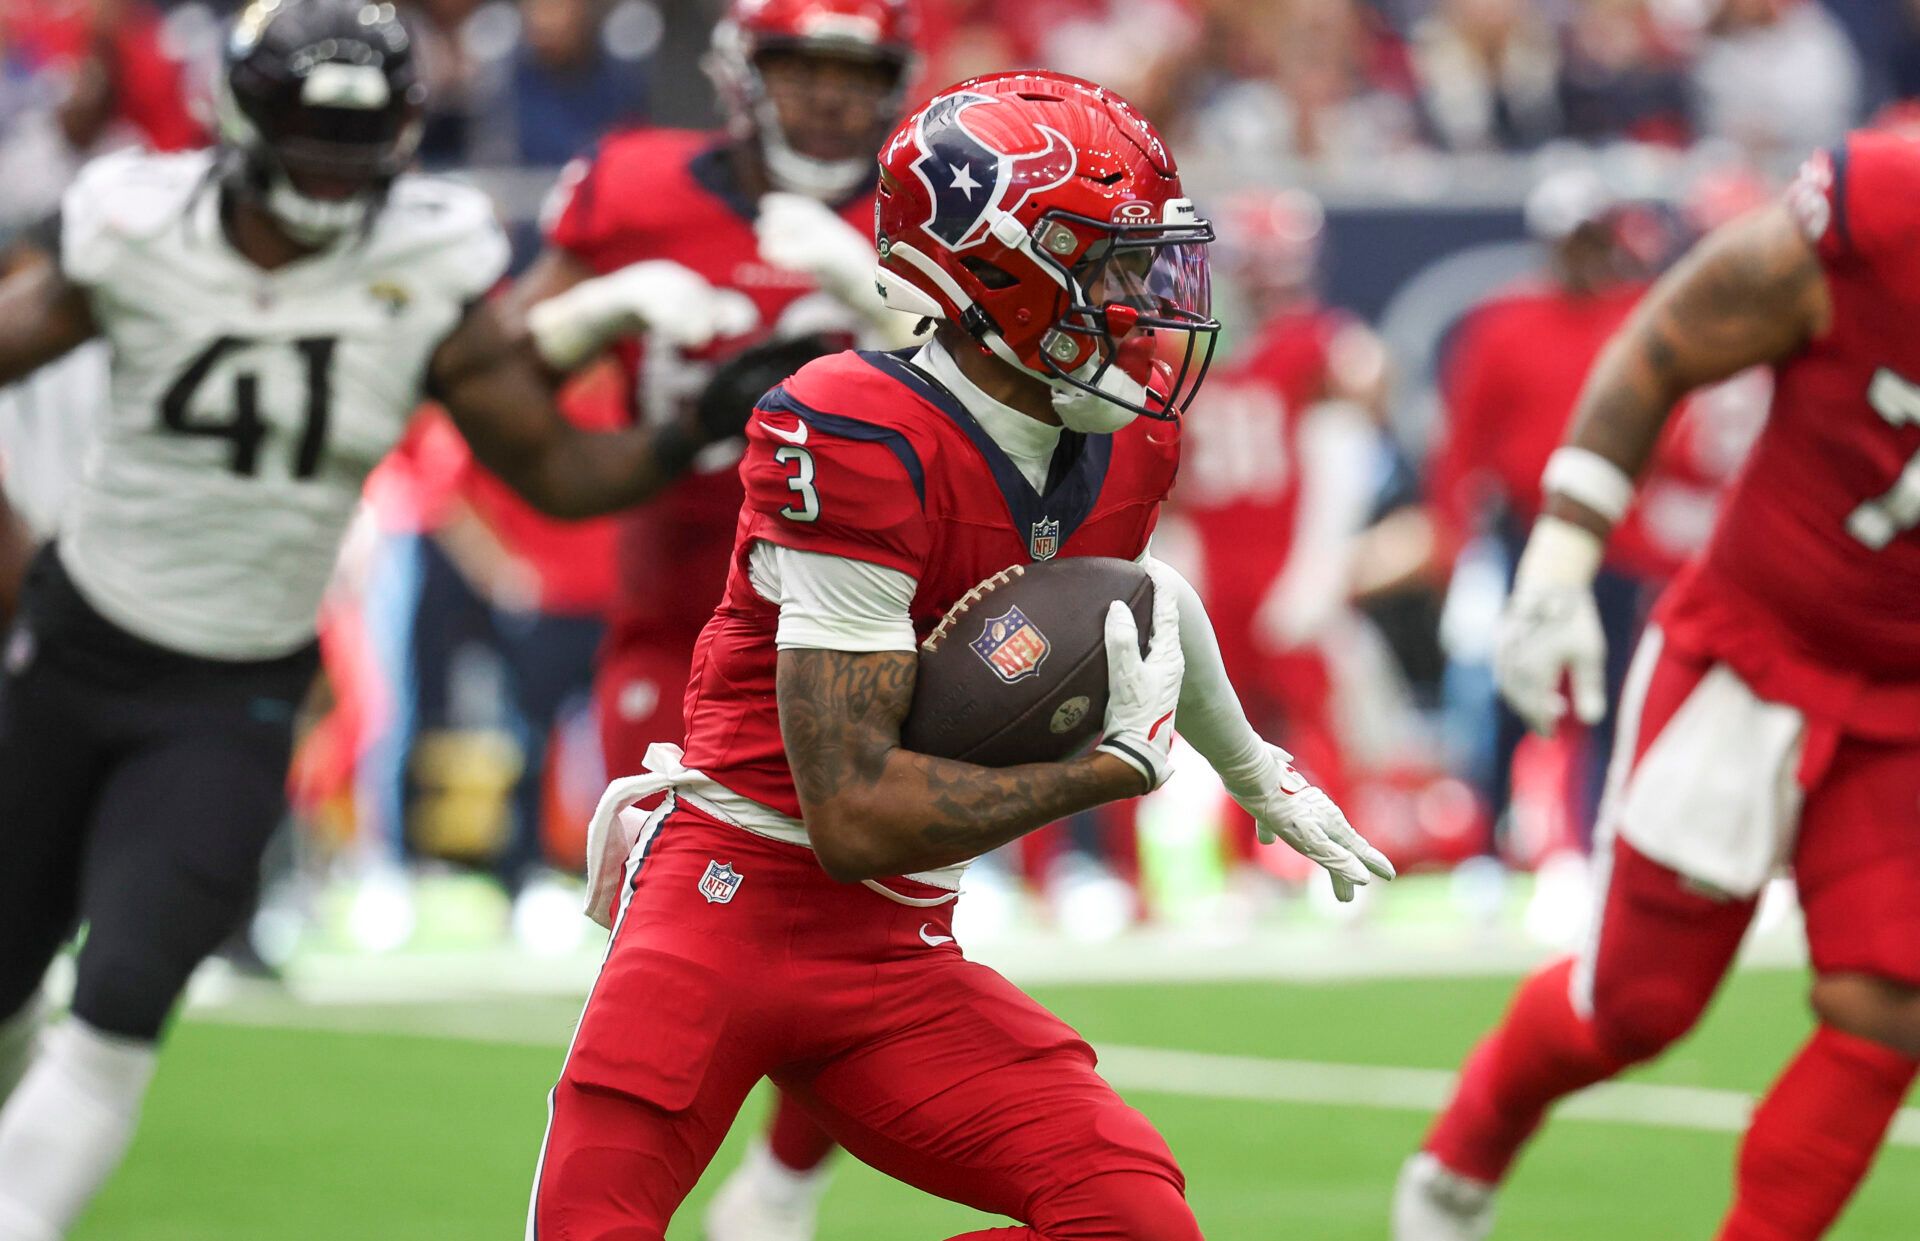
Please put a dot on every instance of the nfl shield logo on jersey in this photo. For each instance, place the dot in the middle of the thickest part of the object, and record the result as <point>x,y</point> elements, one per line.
<point>720,882</point>
<point>1012,646</point>
<point>1044,540</point>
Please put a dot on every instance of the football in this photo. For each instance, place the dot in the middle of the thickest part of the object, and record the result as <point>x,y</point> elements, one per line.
<point>1016,671</point>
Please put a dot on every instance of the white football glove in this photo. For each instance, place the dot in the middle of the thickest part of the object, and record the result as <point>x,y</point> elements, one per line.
<point>656,295</point>
<point>1550,630</point>
<point>1142,693</point>
<point>1285,807</point>
<point>805,235</point>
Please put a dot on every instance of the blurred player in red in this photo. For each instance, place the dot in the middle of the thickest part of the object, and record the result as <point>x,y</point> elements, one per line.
<point>1772,714</point>
<point>1277,478</point>
<point>787,911</point>
<point>681,250</point>
<point>1513,373</point>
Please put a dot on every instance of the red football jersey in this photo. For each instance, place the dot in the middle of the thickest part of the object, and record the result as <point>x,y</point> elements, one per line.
<point>669,194</point>
<point>1241,486</point>
<point>1810,585</point>
<point>865,456</point>
<point>1513,378</point>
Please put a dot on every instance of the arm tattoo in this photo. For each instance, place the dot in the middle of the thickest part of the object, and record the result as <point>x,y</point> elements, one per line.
<point>1751,293</point>
<point>840,717</point>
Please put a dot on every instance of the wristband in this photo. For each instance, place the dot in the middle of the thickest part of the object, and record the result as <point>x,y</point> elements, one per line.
<point>673,449</point>
<point>1582,475</point>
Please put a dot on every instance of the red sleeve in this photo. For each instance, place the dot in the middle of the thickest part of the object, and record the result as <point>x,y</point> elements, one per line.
<point>822,482</point>
<point>579,216</point>
<point>1856,201</point>
<point>1469,394</point>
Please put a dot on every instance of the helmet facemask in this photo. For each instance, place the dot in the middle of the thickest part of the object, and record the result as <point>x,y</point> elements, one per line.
<point>737,65</point>
<point>1137,333</point>
<point>347,135</point>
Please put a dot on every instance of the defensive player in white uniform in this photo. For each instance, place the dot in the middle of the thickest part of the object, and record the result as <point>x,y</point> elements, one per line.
<point>275,309</point>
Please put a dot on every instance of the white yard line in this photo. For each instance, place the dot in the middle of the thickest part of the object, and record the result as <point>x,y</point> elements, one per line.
<point>1155,1070</point>
<point>1144,1070</point>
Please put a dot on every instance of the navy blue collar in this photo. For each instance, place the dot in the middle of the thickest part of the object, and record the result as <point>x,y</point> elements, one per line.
<point>712,170</point>
<point>1044,521</point>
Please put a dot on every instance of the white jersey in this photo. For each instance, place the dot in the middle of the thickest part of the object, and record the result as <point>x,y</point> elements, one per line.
<point>245,406</point>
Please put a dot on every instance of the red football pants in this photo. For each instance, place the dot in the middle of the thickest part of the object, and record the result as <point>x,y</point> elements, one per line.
<point>1662,945</point>
<point>931,1068</point>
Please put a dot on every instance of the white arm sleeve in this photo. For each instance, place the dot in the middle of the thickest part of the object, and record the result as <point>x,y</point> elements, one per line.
<point>1211,717</point>
<point>833,603</point>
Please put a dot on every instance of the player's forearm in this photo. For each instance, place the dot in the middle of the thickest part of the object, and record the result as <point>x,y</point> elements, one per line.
<point>873,809</point>
<point>41,317</point>
<point>588,473</point>
<point>923,813</point>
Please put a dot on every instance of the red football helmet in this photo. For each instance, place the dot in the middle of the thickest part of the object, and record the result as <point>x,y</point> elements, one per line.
<point>1043,214</point>
<point>878,32</point>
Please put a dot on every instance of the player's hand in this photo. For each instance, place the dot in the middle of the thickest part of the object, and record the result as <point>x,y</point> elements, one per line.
<point>677,302</point>
<point>738,383</point>
<point>657,295</point>
<point>1143,691</point>
<point>1550,632</point>
<point>1286,807</point>
<point>805,235</point>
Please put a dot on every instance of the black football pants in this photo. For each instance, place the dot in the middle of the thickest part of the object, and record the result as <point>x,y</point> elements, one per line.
<point>138,789</point>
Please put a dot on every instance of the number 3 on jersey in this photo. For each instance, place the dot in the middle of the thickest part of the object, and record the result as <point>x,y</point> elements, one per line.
<point>1879,520</point>
<point>245,429</point>
<point>807,507</point>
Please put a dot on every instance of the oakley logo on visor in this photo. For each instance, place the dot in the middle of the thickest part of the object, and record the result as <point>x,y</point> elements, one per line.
<point>968,180</point>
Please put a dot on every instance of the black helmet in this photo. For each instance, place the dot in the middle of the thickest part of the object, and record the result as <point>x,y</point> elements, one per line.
<point>320,109</point>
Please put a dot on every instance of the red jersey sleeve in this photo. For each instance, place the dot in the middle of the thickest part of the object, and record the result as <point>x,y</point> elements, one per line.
<point>1855,201</point>
<point>574,217</point>
<point>823,482</point>
<point>1470,382</point>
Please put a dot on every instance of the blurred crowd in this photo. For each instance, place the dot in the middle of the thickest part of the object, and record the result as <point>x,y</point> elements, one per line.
<point>1351,509</point>
<point>1269,83</point>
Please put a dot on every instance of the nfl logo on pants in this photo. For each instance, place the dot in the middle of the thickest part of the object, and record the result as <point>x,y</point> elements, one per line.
<point>720,882</point>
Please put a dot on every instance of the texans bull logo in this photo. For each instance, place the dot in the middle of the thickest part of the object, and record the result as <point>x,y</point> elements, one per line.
<point>968,179</point>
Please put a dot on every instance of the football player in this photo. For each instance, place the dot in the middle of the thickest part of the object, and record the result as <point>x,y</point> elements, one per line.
<point>787,910</point>
<point>1771,715</point>
<point>276,308</point>
<point>762,232</point>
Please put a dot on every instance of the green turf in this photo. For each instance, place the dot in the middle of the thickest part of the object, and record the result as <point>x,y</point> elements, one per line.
<point>267,1133</point>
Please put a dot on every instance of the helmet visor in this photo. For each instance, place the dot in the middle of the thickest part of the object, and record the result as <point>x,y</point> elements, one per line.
<point>1144,295</point>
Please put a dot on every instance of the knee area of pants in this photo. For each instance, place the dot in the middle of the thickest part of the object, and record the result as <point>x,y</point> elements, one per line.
<point>1879,1010</point>
<point>1641,1025</point>
<point>1130,1206</point>
<point>128,994</point>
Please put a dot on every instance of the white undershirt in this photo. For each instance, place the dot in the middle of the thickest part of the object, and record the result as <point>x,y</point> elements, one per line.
<point>837,603</point>
<point>1028,442</point>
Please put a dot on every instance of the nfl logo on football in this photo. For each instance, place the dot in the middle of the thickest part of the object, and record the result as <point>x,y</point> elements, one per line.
<point>1012,645</point>
<point>1044,541</point>
<point>720,882</point>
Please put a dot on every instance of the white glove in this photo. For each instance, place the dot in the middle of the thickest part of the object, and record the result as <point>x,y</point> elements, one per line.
<point>1142,693</point>
<point>805,235</point>
<point>656,295</point>
<point>1551,630</point>
<point>1285,807</point>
